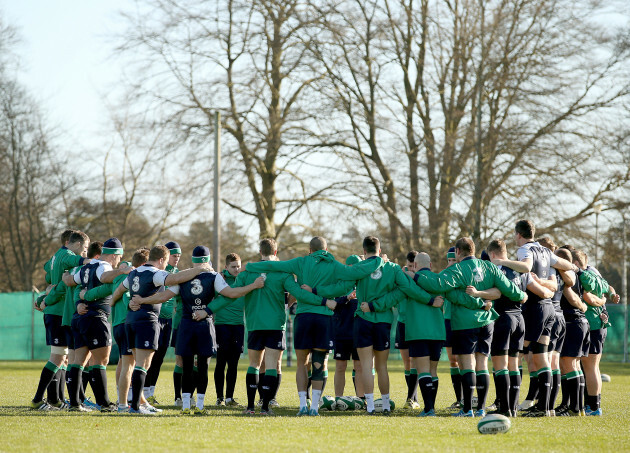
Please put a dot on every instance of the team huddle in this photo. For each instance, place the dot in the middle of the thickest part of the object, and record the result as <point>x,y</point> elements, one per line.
<point>546,308</point>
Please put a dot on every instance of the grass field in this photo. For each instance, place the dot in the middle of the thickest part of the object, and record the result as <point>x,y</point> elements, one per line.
<point>226,429</point>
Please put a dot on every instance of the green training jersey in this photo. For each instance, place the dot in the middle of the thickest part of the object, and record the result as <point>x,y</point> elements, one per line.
<point>467,312</point>
<point>119,311</point>
<point>385,280</point>
<point>168,307</point>
<point>596,285</point>
<point>233,313</point>
<point>265,307</point>
<point>319,269</point>
<point>47,268</point>
<point>72,295</point>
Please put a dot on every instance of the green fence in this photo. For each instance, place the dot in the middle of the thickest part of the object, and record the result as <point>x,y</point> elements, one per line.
<point>22,334</point>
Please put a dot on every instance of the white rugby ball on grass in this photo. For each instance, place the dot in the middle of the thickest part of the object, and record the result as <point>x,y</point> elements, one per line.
<point>494,424</point>
<point>605,378</point>
<point>378,405</point>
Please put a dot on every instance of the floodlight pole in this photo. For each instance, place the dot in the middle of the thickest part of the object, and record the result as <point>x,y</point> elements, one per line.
<point>624,290</point>
<point>216,240</point>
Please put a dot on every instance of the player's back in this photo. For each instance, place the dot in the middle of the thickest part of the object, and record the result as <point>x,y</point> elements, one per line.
<point>264,307</point>
<point>197,293</point>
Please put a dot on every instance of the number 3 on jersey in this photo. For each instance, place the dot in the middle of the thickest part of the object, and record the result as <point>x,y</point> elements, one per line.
<point>136,284</point>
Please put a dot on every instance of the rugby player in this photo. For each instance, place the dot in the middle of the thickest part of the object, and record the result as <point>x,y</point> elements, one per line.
<point>64,259</point>
<point>539,313</point>
<point>400,343</point>
<point>313,323</point>
<point>509,333</point>
<point>142,320</point>
<point>456,378</point>
<point>165,320</point>
<point>229,324</point>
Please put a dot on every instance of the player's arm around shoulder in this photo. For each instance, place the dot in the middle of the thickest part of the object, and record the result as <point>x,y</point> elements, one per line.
<point>182,276</point>
<point>293,288</point>
<point>358,270</point>
<point>292,266</point>
<point>240,291</point>
<point>507,288</point>
<point>412,290</point>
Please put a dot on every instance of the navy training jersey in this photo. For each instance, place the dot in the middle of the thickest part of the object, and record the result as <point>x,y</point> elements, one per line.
<point>542,260</point>
<point>569,311</point>
<point>145,281</point>
<point>197,293</point>
<point>558,294</point>
<point>505,305</point>
<point>89,277</point>
<point>343,318</point>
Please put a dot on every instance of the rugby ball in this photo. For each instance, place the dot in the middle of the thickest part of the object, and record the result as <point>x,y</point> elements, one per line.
<point>344,403</point>
<point>605,378</point>
<point>358,403</point>
<point>327,403</point>
<point>378,405</point>
<point>494,424</point>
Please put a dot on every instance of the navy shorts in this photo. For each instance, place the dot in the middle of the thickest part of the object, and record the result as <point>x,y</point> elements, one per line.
<point>598,338</point>
<point>558,332</point>
<point>539,319</point>
<point>313,331</point>
<point>400,342</point>
<point>577,339</point>
<point>166,327</point>
<point>257,340</point>
<point>69,336</point>
<point>426,348</point>
<point>55,333</point>
<point>471,341</point>
<point>508,335</point>
<point>375,334</point>
<point>230,337</point>
<point>120,337</point>
<point>345,350</point>
<point>195,338</point>
<point>92,332</point>
<point>449,334</point>
<point>143,334</point>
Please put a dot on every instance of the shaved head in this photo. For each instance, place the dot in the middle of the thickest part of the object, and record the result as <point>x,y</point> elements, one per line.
<point>318,243</point>
<point>422,260</point>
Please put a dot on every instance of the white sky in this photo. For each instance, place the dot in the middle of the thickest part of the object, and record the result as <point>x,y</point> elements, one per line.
<point>66,59</point>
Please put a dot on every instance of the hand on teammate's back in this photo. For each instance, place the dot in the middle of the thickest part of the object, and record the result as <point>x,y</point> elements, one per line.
<point>487,305</point>
<point>331,304</point>
<point>471,291</point>
<point>365,308</point>
<point>82,309</point>
<point>307,288</point>
<point>134,303</point>
<point>438,301</point>
<point>259,282</point>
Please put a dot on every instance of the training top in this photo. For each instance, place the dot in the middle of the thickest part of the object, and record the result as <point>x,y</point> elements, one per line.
<point>542,260</point>
<point>119,311</point>
<point>265,307</point>
<point>424,322</point>
<point>233,313</point>
<point>593,283</point>
<point>504,304</point>
<point>467,312</point>
<point>168,307</point>
<point>198,293</point>
<point>145,281</point>
<point>89,277</point>
<point>343,318</point>
<point>319,269</point>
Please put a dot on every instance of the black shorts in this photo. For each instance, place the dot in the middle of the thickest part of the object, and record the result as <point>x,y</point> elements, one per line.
<point>230,337</point>
<point>55,333</point>
<point>166,327</point>
<point>400,342</point>
<point>558,332</point>
<point>257,340</point>
<point>174,338</point>
<point>577,339</point>
<point>539,319</point>
<point>426,348</point>
<point>375,334</point>
<point>120,337</point>
<point>69,336</point>
<point>598,338</point>
<point>313,331</point>
<point>92,332</point>
<point>509,333</point>
<point>471,341</point>
<point>143,334</point>
<point>449,334</point>
<point>345,350</point>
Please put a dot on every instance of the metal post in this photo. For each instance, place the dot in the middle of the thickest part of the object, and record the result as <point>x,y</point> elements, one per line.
<point>32,324</point>
<point>216,246</point>
<point>597,209</point>
<point>624,291</point>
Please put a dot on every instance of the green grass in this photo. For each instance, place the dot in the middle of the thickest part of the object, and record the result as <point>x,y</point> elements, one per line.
<point>24,430</point>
